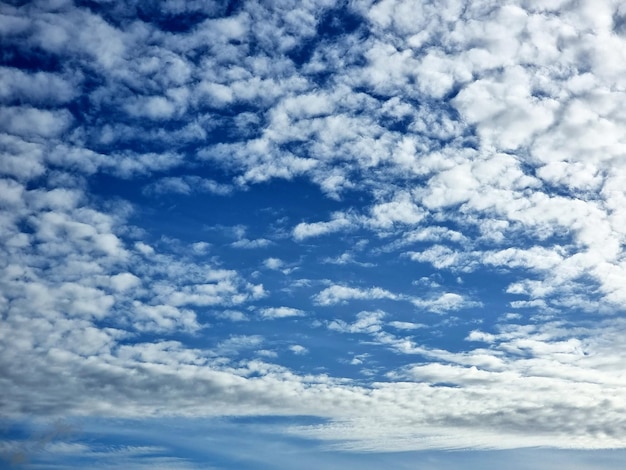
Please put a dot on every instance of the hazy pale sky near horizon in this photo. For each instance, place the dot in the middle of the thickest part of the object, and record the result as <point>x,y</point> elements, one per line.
<point>313,234</point>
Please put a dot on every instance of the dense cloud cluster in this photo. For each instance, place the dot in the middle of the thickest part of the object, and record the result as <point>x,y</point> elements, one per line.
<point>466,139</point>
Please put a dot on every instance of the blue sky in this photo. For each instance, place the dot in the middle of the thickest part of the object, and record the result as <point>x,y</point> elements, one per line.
<point>313,234</point>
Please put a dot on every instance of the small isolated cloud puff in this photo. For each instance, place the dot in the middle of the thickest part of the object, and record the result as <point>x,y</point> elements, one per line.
<point>298,350</point>
<point>339,293</point>
<point>271,313</point>
<point>232,315</point>
<point>248,244</point>
<point>273,263</point>
<point>404,325</point>
<point>445,302</point>
<point>307,230</point>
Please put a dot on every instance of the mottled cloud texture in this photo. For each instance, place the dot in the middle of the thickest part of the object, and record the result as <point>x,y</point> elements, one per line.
<point>409,217</point>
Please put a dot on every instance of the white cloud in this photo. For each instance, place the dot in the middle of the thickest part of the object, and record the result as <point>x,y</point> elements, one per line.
<point>235,344</point>
<point>187,185</point>
<point>404,325</point>
<point>144,248</point>
<point>435,234</point>
<point>307,230</point>
<point>21,159</point>
<point>29,122</point>
<point>340,294</point>
<point>35,88</point>
<point>445,302</point>
<point>232,315</point>
<point>504,111</point>
<point>163,318</point>
<point>224,292</point>
<point>366,322</point>
<point>248,244</point>
<point>347,258</point>
<point>124,281</point>
<point>298,350</point>
<point>271,313</point>
<point>157,107</point>
<point>439,256</point>
<point>273,263</point>
<point>400,210</point>
<point>336,294</point>
<point>200,248</point>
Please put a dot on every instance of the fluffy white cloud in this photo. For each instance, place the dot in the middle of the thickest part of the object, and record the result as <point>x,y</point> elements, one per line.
<point>29,122</point>
<point>273,263</point>
<point>35,88</point>
<point>271,313</point>
<point>338,293</point>
<point>306,230</point>
<point>366,322</point>
<point>445,302</point>
<point>298,349</point>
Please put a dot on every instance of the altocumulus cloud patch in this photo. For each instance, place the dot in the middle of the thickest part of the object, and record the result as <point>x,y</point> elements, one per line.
<point>370,226</point>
